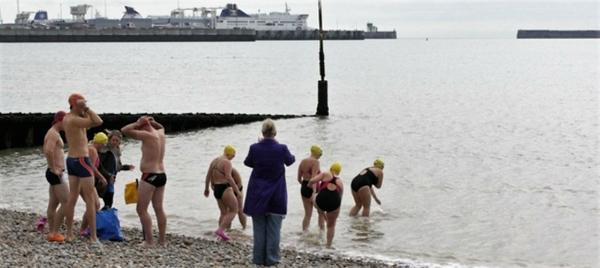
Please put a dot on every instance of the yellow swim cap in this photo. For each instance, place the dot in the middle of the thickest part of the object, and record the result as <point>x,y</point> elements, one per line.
<point>229,150</point>
<point>316,150</point>
<point>336,168</point>
<point>100,138</point>
<point>378,163</point>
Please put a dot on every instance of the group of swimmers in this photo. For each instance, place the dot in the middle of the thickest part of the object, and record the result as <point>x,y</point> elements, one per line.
<point>322,190</point>
<point>82,165</point>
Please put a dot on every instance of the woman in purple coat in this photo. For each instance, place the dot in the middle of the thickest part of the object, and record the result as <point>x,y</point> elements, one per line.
<point>266,197</point>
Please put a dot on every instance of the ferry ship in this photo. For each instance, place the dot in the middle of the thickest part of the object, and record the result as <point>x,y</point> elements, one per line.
<point>233,18</point>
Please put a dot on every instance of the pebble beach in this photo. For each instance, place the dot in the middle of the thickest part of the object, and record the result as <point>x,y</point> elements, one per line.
<point>21,245</point>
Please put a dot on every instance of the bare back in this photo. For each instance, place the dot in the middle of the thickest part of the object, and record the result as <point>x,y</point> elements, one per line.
<point>308,168</point>
<point>217,171</point>
<point>53,150</point>
<point>153,151</point>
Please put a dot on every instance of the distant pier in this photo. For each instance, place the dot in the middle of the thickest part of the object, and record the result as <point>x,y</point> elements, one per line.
<point>381,35</point>
<point>543,34</point>
<point>310,35</point>
<point>29,129</point>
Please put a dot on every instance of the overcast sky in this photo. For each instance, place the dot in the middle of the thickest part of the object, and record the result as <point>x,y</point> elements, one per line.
<point>416,18</point>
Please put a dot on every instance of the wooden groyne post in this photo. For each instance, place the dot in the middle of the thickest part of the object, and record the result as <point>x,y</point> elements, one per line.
<point>322,106</point>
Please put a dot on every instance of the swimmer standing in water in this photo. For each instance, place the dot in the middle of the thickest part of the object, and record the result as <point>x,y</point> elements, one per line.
<point>362,188</point>
<point>309,168</point>
<point>219,176</point>
<point>329,197</point>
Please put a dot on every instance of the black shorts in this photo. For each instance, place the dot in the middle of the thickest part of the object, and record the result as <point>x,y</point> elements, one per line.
<point>306,191</point>
<point>156,179</point>
<point>52,178</point>
<point>219,189</point>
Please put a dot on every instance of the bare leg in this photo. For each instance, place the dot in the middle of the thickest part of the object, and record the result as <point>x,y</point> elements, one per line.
<point>70,209</point>
<point>84,219</point>
<point>91,200</point>
<point>61,192</point>
<point>145,194</point>
<point>331,220</point>
<point>231,205</point>
<point>161,217</point>
<point>222,211</point>
<point>365,197</point>
<point>51,211</point>
<point>357,204</point>
<point>241,215</point>
<point>308,210</point>
<point>321,221</point>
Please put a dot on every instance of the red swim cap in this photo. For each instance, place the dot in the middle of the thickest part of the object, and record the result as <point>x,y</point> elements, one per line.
<point>58,117</point>
<point>74,98</point>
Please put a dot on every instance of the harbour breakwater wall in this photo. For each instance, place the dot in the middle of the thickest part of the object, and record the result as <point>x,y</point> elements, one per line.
<point>310,35</point>
<point>9,35</point>
<point>126,35</point>
<point>29,129</point>
<point>541,34</point>
<point>381,35</point>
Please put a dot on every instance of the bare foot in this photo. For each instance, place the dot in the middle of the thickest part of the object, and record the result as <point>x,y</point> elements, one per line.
<point>69,238</point>
<point>146,244</point>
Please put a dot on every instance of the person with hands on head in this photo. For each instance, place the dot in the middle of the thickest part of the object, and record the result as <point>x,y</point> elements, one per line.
<point>152,184</point>
<point>79,166</point>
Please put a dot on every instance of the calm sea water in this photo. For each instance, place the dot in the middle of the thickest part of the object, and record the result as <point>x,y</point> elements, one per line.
<point>491,146</point>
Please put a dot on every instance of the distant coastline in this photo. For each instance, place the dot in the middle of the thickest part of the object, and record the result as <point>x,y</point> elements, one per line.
<point>558,34</point>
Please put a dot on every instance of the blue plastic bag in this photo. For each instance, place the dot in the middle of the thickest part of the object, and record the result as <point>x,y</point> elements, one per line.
<point>108,226</point>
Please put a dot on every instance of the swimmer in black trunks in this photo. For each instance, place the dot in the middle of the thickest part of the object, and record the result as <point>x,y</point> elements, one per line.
<point>152,185</point>
<point>329,197</point>
<point>362,188</point>
<point>58,188</point>
<point>309,168</point>
<point>219,176</point>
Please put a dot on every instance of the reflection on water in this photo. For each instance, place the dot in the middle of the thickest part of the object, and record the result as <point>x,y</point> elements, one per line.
<point>364,229</point>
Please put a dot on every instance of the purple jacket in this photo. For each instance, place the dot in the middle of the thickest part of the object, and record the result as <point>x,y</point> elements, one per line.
<point>267,191</point>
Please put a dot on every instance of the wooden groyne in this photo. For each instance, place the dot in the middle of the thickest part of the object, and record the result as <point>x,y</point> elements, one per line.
<point>544,34</point>
<point>29,129</point>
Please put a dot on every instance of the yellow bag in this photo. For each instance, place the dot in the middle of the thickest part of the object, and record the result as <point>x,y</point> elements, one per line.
<point>131,192</point>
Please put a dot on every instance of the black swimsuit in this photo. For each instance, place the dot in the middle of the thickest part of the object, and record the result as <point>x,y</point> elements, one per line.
<point>52,178</point>
<point>306,191</point>
<point>156,179</point>
<point>219,189</point>
<point>328,200</point>
<point>367,179</point>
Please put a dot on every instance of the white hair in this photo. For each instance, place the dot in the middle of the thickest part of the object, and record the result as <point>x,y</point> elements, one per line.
<point>268,128</point>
